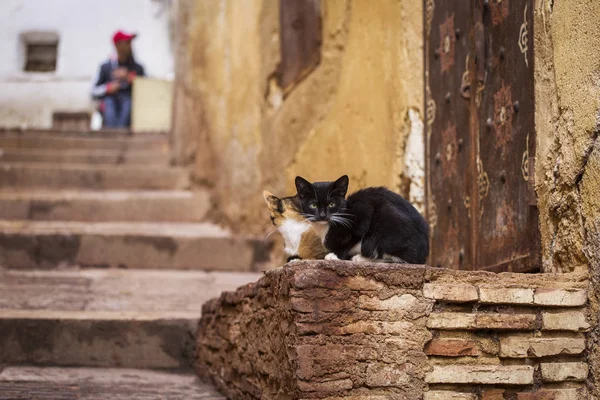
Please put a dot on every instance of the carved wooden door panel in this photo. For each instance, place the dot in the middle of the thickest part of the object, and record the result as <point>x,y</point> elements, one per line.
<point>480,138</point>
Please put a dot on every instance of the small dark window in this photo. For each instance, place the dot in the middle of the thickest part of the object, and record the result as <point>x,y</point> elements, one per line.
<point>41,57</point>
<point>300,34</point>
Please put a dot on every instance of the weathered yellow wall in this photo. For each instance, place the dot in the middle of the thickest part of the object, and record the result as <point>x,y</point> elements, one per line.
<point>349,116</point>
<point>567,73</point>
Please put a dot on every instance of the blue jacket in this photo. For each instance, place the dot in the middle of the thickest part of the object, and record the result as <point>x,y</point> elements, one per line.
<point>105,77</point>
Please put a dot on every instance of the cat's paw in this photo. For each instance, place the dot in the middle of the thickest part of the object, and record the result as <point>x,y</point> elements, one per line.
<point>293,260</point>
<point>360,258</point>
<point>331,256</point>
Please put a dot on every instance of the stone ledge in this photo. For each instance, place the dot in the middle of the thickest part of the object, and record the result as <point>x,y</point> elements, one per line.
<point>344,330</point>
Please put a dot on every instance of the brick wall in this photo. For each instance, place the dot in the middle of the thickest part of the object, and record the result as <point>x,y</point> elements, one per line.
<point>340,330</point>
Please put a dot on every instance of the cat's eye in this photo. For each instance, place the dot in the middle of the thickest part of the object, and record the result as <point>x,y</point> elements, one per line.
<point>331,205</point>
<point>313,205</point>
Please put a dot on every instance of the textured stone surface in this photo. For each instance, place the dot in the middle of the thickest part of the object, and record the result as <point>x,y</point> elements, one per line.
<point>452,348</point>
<point>468,321</point>
<point>450,293</point>
<point>342,330</point>
<point>505,295</point>
<point>521,347</point>
<point>560,297</point>
<point>564,371</point>
<point>565,321</point>
<point>448,395</point>
<point>447,320</point>
<point>482,374</point>
<point>357,345</point>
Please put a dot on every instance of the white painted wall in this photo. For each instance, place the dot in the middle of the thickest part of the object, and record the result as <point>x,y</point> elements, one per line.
<point>85,29</point>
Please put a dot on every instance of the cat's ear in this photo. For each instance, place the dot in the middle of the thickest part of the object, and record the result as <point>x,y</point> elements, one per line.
<point>341,185</point>
<point>304,187</point>
<point>271,200</point>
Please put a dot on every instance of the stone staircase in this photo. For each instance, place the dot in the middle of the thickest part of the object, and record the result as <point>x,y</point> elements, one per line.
<point>105,261</point>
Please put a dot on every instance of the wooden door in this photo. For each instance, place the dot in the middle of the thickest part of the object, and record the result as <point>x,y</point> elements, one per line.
<point>480,138</point>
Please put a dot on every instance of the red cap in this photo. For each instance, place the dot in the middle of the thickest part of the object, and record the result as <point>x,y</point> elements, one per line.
<point>121,35</point>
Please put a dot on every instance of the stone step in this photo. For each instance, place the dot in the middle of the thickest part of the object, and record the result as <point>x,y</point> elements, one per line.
<point>88,141</point>
<point>105,318</point>
<point>82,156</point>
<point>103,133</point>
<point>48,244</point>
<point>103,206</point>
<point>53,383</point>
<point>84,176</point>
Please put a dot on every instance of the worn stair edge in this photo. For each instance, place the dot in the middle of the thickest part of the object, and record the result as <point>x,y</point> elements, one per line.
<point>59,383</point>
<point>83,142</point>
<point>116,157</point>
<point>103,133</point>
<point>176,293</point>
<point>84,176</point>
<point>97,339</point>
<point>99,206</point>
<point>47,245</point>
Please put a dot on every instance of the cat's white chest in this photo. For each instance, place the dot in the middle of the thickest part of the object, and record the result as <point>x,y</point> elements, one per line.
<point>292,234</point>
<point>321,230</point>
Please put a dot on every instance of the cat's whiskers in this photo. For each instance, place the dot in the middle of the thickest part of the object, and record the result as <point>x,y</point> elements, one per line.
<point>269,232</point>
<point>309,217</point>
<point>342,216</point>
<point>337,219</point>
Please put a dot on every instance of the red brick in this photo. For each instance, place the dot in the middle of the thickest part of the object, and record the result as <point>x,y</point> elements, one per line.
<point>453,321</point>
<point>505,321</point>
<point>554,394</point>
<point>452,348</point>
<point>492,394</point>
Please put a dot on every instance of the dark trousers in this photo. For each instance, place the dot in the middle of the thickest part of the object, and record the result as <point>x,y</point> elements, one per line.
<point>117,110</point>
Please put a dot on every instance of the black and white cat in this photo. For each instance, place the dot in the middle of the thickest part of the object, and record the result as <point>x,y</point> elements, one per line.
<point>372,224</point>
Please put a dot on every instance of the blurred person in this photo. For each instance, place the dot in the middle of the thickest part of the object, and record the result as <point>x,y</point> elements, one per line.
<point>113,85</point>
